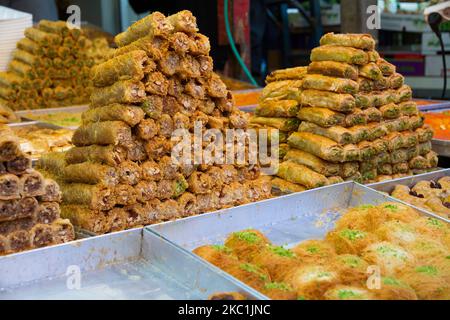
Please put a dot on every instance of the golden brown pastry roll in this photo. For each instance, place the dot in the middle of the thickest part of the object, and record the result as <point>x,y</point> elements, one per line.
<point>42,38</point>
<point>31,184</point>
<point>19,165</point>
<point>337,133</point>
<point>110,155</point>
<point>96,197</point>
<point>319,146</point>
<point>156,83</point>
<point>339,54</point>
<point>334,69</point>
<point>128,66</point>
<point>124,195</point>
<point>85,218</point>
<point>129,173</point>
<point>272,108</point>
<point>28,45</point>
<point>90,173</point>
<point>283,124</point>
<point>170,63</point>
<point>371,71</point>
<point>285,186</point>
<point>129,114</point>
<point>201,45</point>
<point>102,133</point>
<point>325,83</point>
<point>120,92</point>
<point>296,73</point>
<point>52,192</point>
<point>154,24</point>
<point>155,47</point>
<point>324,99</point>
<point>297,173</point>
<point>321,116</point>
<point>386,68</point>
<point>311,161</point>
<point>282,90</point>
<point>206,65</point>
<point>395,81</point>
<point>183,21</point>
<point>408,108</point>
<point>146,191</point>
<point>355,40</point>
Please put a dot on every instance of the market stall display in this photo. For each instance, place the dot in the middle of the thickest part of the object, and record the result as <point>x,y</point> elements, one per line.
<point>120,173</point>
<point>390,235</point>
<point>29,203</point>
<point>358,121</point>
<point>50,68</point>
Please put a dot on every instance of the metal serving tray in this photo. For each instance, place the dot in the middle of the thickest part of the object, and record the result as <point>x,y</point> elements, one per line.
<point>285,220</point>
<point>388,186</point>
<point>133,264</point>
<point>75,109</point>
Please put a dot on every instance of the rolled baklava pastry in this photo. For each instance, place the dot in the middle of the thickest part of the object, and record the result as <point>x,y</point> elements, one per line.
<point>28,45</point>
<point>215,87</point>
<point>129,173</point>
<point>63,231</point>
<point>129,114</point>
<point>202,45</point>
<point>285,186</point>
<point>183,21</point>
<point>395,81</point>
<point>180,42</point>
<point>167,189</point>
<point>102,133</point>
<point>146,191</point>
<point>19,240</point>
<point>404,93</point>
<point>32,184</point>
<point>282,124</point>
<point>8,210</point>
<point>47,212</point>
<point>319,146</point>
<point>279,90</point>
<point>9,146</point>
<point>156,83</point>
<point>355,40</point>
<point>357,117</point>
<point>136,150</point>
<point>125,195</point>
<point>151,171</point>
<point>370,71</point>
<point>296,73</point>
<point>311,161</point>
<point>336,133</point>
<point>91,173</point>
<point>277,109</point>
<point>85,218</point>
<point>57,27</point>
<point>408,108</point>
<point>334,69</point>
<point>44,39</point>
<point>340,54</point>
<point>155,47</point>
<point>200,183</point>
<point>192,88</point>
<point>52,192</point>
<point>21,68</point>
<point>154,24</point>
<point>97,197</point>
<point>300,174</point>
<point>170,63</point>
<point>424,133</point>
<point>321,116</point>
<point>19,165</point>
<point>325,99</point>
<point>206,65</point>
<point>116,219</point>
<point>125,92</point>
<point>325,83</point>
<point>386,68</point>
<point>128,66</point>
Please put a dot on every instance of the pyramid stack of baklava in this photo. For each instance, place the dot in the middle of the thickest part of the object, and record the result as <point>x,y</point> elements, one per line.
<point>50,69</point>
<point>29,204</point>
<point>121,173</point>
<point>358,119</point>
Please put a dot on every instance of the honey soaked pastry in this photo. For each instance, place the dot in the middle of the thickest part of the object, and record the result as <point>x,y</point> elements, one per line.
<point>334,69</point>
<point>283,124</point>
<point>127,91</point>
<point>297,173</point>
<point>246,244</point>
<point>279,291</point>
<point>370,71</point>
<point>124,67</point>
<point>314,252</point>
<point>42,38</point>
<point>350,241</point>
<point>360,41</point>
<point>102,133</point>
<point>250,274</point>
<point>386,68</point>
<point>321,116</point>
<point>319,146</point>
<point>296,73</point>
<point>31,184</point>
<point>339,54</point>
<point>352,268</point>
<point>287,187</point>
<point>337,133</point>
<point>19,165</point>
<point>116,112</point>
<point>286,89</point>
<point>325,83</point>
<point>277,260</point>
<point>90,173</point>
<point>155,47</point>
<point>342,292</point>
<point>154,24</point>
<point>220,256</point>
<point>284,108</point>
<point>325,99</point>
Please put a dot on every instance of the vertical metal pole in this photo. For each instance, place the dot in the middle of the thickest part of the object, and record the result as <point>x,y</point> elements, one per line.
<point>318,27</point>
<point>287,50</point>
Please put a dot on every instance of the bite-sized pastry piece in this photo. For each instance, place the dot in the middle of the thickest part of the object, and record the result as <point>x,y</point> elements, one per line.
<point>282,90</point>
<point>250,274</point>
<point>394,289</point>
<point>337,133</point>
<point>129,173</point>
<point>156,83</point>
<point>300,174</point>
<point>334,69</point>
<point>102,133</point>
<point>279,291</point>
<point>96,197</point>
<point>124,91</point>
<point>283,124</point>
<point>387,68</point>
<point>42,38</point>
<point>370,71</point>
<point>339,54</point>
<point>389,257</point>
<point>19,165</point>
<point>154,24</point>
<point>246,244</point>
<point>312,281</point>
<point>427,281</point>
<point>352,268</point>
<point>183,21</point>
<point>220,256</point>
<point>343,292</point>
<point>277,260</point>
<point>154,46</point>
<point>52,192</point>
<point>129,114</point>
<point>85,218</point>
<point>325,83</point>
<point>9,145</point>
<point>314,252</point>
<point>31,184</point>
<point>125,67</point>
<point>350,241</point>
